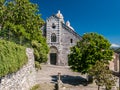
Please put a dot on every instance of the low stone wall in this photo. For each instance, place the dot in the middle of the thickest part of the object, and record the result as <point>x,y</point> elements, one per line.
<point>22,79</point>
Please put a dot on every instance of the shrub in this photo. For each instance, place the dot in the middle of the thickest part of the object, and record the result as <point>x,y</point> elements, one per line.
<point>36,87</point>
<point>12,57</point>
<point>37,65</point>
<point>40,51</point>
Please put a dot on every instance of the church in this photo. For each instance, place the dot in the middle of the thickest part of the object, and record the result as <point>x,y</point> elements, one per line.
<point>60,36</point>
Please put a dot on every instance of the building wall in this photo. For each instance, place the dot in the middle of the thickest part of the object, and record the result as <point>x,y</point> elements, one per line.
<point>63,39</point>
<point>66,43</point>
<point>22,79</point>
<point>114,63</point>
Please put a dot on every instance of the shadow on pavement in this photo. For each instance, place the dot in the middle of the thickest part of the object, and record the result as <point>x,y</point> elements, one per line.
<point>72,80</point>
<point>116,73</point>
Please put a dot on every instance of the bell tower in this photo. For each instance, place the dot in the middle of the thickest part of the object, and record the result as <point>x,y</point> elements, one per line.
<point>53,28</point>
<point>53,35</point>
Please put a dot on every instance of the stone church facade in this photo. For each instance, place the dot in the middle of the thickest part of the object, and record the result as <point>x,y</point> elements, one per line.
<point>60,37</point>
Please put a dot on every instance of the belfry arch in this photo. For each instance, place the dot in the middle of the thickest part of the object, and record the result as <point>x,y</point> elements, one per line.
<point>53,55</point>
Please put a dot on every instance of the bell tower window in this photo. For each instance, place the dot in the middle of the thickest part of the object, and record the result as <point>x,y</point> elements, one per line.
<point>53,26</point>
<point>53,37</point>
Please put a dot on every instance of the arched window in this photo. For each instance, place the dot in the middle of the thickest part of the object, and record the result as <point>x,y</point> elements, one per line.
<point>53,37</point>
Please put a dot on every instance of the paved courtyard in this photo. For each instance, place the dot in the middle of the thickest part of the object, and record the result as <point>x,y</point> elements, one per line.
<point>48,75</point>
<point>47,78</point>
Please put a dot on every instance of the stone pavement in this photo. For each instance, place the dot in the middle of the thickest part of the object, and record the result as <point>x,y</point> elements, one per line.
<point>48,75</point>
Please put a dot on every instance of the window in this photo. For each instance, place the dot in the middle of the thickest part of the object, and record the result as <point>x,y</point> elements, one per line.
<point>71,40</point>
<point>53,37</point>
<point>53,26</point>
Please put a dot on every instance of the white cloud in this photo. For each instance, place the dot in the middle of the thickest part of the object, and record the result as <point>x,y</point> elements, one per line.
<point>115,45</point>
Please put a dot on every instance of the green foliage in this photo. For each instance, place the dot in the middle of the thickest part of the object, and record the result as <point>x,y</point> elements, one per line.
<point>102,75</point>
<point>93,47</point>
<point>36,87</point>
<point>40,51</point>
<point>12,57</point>
<point>37,65</point>
<point>21,23</point>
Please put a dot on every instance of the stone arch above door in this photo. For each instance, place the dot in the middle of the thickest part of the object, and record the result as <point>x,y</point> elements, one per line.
<point>53,49</point>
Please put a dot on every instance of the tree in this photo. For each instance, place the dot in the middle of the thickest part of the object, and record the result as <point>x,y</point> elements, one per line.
<point>102,75</point>
<point>21,23</point>
<point>93,47</point>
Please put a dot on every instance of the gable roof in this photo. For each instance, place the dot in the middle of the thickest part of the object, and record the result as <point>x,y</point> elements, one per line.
<point>71,31</point>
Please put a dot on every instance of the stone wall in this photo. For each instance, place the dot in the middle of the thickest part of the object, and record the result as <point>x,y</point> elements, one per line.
<point>66,43</point>
<point>23,79</point>
<point>114,63</point>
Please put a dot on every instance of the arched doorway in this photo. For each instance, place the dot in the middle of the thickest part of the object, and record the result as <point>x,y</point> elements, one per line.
<point>53,55</point>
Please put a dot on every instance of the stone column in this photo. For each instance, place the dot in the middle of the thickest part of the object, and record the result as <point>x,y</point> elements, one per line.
<point>48,62</point>
<point>58,58</point>
<point>59,81</point>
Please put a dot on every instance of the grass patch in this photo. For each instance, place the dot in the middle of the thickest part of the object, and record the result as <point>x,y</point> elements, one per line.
<point>12,57</point>
<point>36,87</point>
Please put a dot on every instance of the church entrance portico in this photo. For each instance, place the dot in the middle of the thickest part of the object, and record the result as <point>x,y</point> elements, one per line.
<point>53,55</point>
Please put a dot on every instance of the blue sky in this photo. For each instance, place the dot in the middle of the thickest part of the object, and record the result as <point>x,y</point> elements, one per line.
<point>101,16</point>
